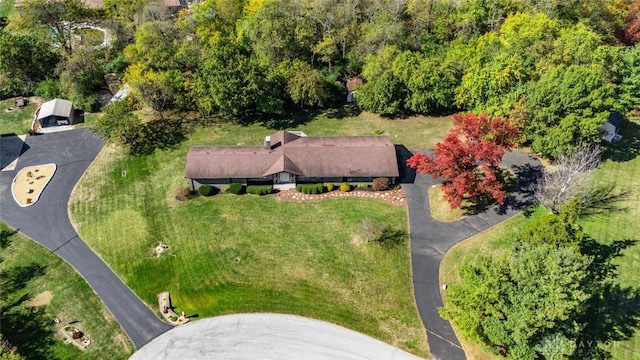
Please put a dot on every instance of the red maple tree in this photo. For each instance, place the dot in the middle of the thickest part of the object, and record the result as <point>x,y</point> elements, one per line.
<point>631,29</point>
<point>469,157</point>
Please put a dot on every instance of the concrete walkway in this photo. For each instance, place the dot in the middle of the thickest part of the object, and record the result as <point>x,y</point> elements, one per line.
<point>431,239</point>
<point>266,337</point>
<point>47,222</point>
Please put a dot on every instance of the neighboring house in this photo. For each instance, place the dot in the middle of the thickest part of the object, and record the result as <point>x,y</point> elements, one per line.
<point>55,112</point>
<point>352,85</point>
<point>287,158</point>
<point>611,128</point>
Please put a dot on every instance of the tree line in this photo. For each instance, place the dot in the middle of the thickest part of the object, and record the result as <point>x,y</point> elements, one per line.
<point>554,68</point>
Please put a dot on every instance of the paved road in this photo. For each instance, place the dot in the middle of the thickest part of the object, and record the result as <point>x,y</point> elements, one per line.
<point>47,222</point>
<point>266,337</point>
<point>431,239</point>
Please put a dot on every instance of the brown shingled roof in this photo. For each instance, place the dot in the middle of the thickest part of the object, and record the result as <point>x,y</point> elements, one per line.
<point>344,156</point>
<point>354,82</point>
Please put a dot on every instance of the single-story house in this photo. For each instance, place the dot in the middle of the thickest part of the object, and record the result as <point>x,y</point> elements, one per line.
<point>352,84</point>
<point>287,158</point>
<point>55,112</point>
<point>611,128</point>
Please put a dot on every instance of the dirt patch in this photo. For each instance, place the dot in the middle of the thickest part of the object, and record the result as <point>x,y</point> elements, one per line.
<point>357,240</point>
<point>44,298</point>
<point>29,183</point>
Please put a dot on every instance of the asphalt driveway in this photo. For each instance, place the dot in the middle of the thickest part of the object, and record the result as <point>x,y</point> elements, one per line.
<point>431,239</point>
<point>47,222</point>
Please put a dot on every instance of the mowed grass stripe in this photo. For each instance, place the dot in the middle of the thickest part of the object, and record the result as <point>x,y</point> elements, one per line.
<point>246,253</point>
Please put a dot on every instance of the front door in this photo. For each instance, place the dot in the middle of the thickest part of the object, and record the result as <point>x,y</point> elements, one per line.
<point>284,178</point>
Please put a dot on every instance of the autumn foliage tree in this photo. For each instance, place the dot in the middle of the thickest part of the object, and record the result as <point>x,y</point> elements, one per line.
<point>469,157</point>
<point>631,30</point>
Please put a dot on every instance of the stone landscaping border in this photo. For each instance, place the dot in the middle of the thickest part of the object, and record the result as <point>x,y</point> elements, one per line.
<point>164,304</point>
<point>396,197</point>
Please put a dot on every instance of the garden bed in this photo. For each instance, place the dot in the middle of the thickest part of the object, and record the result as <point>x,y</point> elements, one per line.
<point>29,183</point>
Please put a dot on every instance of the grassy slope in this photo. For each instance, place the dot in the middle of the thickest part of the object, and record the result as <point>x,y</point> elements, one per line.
<point>288,261</point>
<point>614,226</point>
<point>33,332</point>
<point>17,121</point>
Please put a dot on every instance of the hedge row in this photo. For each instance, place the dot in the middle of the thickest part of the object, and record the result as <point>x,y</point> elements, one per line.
<point>236,188</point>
<point>259,189</point>
<point>310,188</point>
<point>206,190</point>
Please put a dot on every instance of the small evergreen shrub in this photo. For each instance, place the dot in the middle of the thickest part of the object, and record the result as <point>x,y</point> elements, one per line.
<point>345,187</point>
<point>330,186</point>
<point>259,189</point>
<point>363,186</point>
<point>310,188</point>
<point>236,188</point>
<point>206,190</point>
<point>380,184</point>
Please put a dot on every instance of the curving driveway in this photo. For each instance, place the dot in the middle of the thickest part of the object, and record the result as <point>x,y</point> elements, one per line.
<point>47,222</point>
<point>431,239</point>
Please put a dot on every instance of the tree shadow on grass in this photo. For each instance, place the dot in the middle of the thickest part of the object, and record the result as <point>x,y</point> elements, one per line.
<point>287,120</point>
<point>628,148</point>
<point>391,237</point>
<point>27,328</point>
<point>5,238</point>
<point>17,277</point>
<point>159,134</point>
<point>613,313</point>
<point>298,117</point>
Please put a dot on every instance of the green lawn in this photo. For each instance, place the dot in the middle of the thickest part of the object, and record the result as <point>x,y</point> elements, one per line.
<point>622,225</point>
<point>16,121</point>
<point>28,270</point>
<point>90,37</point>
<point>230,254</point>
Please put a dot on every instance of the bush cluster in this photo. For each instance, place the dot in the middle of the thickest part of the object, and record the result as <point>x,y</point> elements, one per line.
<point>363,186</point>
<point>310,188</point>
<point>236,188</point>
<point>380,184</point>
<point>206,190</point>
<point>259,189</point>
<point>330,186</point>
<point>345,187</point>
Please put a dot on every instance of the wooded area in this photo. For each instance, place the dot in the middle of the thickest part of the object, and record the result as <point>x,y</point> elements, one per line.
<point>553,68</point>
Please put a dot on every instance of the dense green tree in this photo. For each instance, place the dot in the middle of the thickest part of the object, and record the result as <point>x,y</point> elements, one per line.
<point>156,45</point>
<point>154,89</point>
<point>567,106</point>
<point>500,64</point>
<point>236,83</point>
<point>24,61</point>
<point>306,85</point>
<point>630,74</point>
<point>118,123</point>
<point>81,75</point>
<point>383,95</point>
<point>516,302</point>
<point>278,31</point>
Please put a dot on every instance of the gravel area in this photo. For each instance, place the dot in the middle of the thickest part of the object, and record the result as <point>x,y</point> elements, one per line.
<point>395,197</point>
